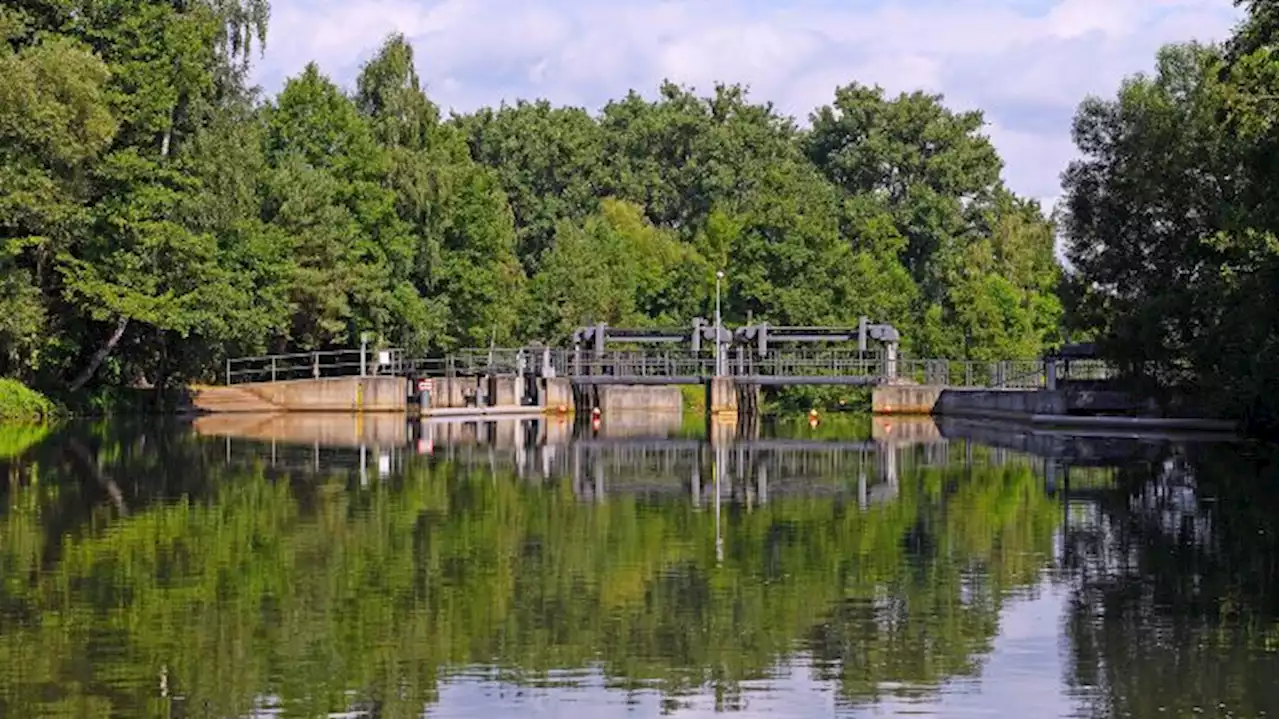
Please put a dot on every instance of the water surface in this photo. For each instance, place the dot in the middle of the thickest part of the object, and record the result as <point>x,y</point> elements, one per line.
<point>320,566</point>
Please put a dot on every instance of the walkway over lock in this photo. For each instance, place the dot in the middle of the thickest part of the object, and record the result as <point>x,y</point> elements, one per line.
<point>774,367</point>
<point>626,369</point>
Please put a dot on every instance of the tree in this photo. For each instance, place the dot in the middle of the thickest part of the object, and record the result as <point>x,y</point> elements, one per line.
<point>55,123</point>
<point>930,167</point>
<point>462,226</point>
<point>1153,187</point>
<point>548,162</point>
<point>326,190</point>
<point>1170,220</point>
<point>617,268</point>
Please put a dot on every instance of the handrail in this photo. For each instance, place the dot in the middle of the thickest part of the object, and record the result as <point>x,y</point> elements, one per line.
<point>313,365</point>
<point>685,364</point>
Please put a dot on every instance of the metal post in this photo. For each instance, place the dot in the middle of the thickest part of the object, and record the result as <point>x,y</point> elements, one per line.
<point>315,365</point>
<point>273,369</point>
<point>1050,374</point>
<point>719,369</point>
<point>228,370</point>
<point>364,348</point>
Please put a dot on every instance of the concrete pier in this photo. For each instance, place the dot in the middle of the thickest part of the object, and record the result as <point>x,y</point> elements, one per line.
<point>556,394</point>
<point>722,396</point>
<point>630,398</point>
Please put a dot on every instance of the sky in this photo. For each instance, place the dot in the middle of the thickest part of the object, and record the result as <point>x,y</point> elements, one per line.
<point>1025,63</point>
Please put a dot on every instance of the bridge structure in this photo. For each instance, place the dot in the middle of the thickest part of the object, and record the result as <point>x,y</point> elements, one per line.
<point>604,362</point>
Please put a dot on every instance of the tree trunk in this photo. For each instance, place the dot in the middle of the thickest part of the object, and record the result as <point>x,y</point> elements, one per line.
<point>87,374</point>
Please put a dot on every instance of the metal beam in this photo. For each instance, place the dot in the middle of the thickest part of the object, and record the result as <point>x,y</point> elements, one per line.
<point>783,381</point>
<point>764,336</point>
<point>636,379</point>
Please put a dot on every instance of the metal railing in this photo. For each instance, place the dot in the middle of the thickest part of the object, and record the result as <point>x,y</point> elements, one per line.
<point>1001,374</point>
<point>1090,370</point>
<point>622,363</point>
<point>313,365</point>
<point>808,363</point>
<point>777,364</point>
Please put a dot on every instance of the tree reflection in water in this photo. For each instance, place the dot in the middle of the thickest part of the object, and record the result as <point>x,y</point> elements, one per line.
<point>201,587</point>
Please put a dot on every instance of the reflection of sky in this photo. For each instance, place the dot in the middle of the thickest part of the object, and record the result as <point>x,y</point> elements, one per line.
<point>1022,677</point>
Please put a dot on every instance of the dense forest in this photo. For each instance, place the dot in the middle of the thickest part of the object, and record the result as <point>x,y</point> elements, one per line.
<point>159,214</point>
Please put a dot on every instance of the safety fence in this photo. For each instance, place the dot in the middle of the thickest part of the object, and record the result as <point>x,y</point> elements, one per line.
<point>774,365</point>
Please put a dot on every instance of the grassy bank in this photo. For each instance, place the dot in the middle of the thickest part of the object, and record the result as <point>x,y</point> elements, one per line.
<point>20,403</point>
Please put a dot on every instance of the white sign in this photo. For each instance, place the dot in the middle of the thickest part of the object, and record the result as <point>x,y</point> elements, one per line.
<point>384,357</point>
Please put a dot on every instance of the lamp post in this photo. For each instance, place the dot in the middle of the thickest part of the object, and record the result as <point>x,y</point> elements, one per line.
<point>719,363</point>
<point>364,352</point>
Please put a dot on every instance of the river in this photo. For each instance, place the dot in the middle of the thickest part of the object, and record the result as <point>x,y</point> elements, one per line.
<point>368,567</point>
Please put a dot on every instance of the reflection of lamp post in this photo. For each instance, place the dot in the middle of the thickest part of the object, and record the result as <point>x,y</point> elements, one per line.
<point>719,276</point>
<point>717,468</point>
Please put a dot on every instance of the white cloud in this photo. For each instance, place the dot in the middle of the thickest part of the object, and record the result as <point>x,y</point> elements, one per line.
<point>1026,65</point>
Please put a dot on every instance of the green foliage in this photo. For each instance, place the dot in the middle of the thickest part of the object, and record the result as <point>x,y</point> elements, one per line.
<point>18,402</point>
<point>615,268</point>
<point>465,237</point>
<point>1171,219</point>
<point>157,216</point>
<point>922,185</point>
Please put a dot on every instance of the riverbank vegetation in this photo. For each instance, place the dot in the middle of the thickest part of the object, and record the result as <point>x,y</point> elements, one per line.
<point>1170,222</point>
<point>23,404</point>
<point>158,215</point>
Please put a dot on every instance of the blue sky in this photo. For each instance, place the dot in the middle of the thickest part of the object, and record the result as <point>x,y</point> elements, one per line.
<point>1026,64</point>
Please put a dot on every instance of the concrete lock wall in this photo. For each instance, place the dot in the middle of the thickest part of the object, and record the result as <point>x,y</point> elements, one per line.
<point>333,394</point>
<point>451,392</point>
<point>504,391</point>
<point>926,399</point>
<point>616,398</point>
<point>1000,402</point>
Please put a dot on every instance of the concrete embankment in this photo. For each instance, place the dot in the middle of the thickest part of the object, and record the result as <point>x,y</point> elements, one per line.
<point>1071,408</point>
<point>327,394</point>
